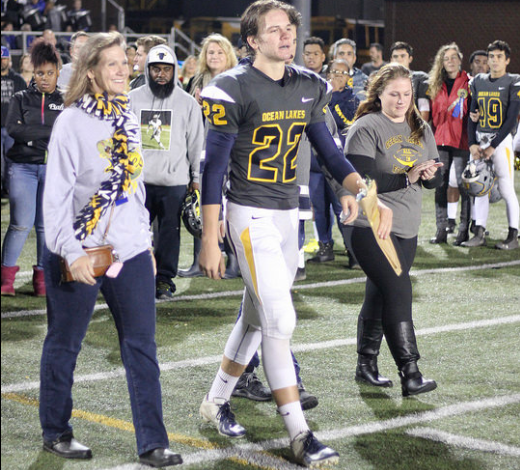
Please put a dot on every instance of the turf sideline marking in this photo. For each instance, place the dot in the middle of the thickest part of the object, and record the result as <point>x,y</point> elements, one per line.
<point>264,461</point>
<point>470,443</point>
<point>207,360</point>
<point>235,293</point>
<point>113,422</point>
<point>250,451</point>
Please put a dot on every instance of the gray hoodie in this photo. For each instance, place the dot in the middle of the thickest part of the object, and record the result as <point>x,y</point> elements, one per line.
<point>172,131</point>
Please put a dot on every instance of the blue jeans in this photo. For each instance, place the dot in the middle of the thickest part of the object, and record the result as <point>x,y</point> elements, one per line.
<point>131,299</point>
<point>26,182</point>
<point>322,197</point>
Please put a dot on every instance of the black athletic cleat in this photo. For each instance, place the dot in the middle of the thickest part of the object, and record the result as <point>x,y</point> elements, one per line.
<point>307,400</point>
<point>249,386</point>
<point>164,291</point>
<point>324,254</point>
<point>511,242</point>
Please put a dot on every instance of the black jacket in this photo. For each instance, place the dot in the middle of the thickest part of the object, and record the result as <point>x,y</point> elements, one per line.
<point>11,83</point>
<point>29,122</point>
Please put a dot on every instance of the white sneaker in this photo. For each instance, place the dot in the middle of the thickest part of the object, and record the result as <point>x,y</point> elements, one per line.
<point>310,452</point>
<point>218,412</point>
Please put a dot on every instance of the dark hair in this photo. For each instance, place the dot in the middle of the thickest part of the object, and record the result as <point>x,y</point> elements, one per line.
<point>378,46</point>
<point>499,45</point>
<point>401,45</point>
<point>250,21</point>
<point>42,51</point>
<point>475,54</point>
<point>314,40</point>
<point>378,81</point>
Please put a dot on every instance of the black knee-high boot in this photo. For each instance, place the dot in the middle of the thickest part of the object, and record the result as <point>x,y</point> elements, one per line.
<point>369,336</point>
<point>403,346</point>
<point>232,268</point>
<point>465,218</point>
<point>193,270</point>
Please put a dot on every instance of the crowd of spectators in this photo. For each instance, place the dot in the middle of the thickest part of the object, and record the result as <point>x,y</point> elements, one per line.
<point>37,15</point>
<point>338,64</point>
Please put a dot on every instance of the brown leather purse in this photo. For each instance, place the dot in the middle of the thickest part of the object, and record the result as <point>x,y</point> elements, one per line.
<point>102,257</point>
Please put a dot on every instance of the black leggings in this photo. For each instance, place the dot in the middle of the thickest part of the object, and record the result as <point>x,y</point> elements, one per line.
<point>388,297</point>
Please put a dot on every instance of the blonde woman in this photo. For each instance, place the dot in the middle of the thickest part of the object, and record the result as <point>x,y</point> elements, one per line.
<point>450,99</point>
<point>217,56</point>
<point>26,68</point>
<point>188,70</point>
<point>97,197</point>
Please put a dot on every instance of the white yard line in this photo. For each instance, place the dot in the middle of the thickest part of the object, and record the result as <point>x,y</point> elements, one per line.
<point>204,361</point>
<point>470,443</point>
<point>254,452</point>
<point>297,287</point>
<point>22,277</point>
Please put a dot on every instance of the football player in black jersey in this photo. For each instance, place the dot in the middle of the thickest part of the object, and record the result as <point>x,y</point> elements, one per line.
<point>496,96</point>
<point>257,113</point>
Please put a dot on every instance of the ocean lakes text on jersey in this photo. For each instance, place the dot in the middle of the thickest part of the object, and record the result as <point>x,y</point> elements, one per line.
<point>488,93</point>
<point>284,114</point>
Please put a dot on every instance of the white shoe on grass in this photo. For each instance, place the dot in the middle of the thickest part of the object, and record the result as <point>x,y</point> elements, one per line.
<point>310,452</point>
<point>218,412</point>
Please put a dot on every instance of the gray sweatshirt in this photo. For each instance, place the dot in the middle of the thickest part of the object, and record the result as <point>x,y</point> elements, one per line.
<point>77,164</point>
<point>172,132</point>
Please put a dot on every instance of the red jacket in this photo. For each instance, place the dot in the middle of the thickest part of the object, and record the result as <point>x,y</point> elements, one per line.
<point>450,114</point>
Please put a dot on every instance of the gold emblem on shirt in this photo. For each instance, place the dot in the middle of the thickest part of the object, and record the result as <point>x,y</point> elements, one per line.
<point>406,156</point>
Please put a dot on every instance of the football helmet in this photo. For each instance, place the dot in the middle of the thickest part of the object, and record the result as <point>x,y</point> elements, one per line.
<point>190,213</point>
<point>494,194</point>
<point>478,178</point>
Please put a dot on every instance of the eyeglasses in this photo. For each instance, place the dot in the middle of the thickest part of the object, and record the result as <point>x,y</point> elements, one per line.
<point>338,72</point>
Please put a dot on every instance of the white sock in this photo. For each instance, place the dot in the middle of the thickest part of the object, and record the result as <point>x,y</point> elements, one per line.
<point>293,418</point>
<point>222,386</point>
<point>452,210</point>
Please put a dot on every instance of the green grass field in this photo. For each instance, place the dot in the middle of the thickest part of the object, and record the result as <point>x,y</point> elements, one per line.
<point>150,143</point>
<point>467,317</point>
